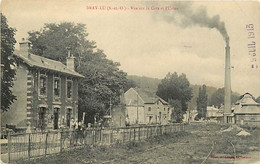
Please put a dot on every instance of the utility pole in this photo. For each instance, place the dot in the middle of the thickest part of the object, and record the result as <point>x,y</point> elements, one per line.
<point>137,107</point>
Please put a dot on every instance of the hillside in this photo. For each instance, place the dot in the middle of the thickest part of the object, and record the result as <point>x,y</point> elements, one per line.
<point>195,89</point>
<point>151,84</point>
<point>147,83</point>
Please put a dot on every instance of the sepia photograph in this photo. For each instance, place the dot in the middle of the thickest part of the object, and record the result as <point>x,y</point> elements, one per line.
<point>129,82</point>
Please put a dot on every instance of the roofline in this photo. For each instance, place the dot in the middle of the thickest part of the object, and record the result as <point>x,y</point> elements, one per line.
<point>31,65</point>
<point>137,94</point>
<point>159,98</point>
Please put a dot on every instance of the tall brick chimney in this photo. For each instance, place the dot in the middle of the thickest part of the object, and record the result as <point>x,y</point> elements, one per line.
<point>24,47</point>
<point>227,100</point>
<point>70,61</point>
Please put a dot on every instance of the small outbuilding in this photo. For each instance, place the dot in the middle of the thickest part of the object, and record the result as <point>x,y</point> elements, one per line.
<point>247,111</point>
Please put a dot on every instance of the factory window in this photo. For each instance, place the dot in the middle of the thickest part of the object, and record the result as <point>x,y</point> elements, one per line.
<point>57,87</point>
<point>69,89</point>
<point>43,85</point>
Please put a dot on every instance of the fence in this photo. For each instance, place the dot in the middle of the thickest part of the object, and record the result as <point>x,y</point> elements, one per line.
<point>30,145</point>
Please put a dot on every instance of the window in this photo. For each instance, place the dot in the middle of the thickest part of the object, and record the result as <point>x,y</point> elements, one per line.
<point>43,85</point>
<point>149,109</point>
<point>163,109</point>
<point>57,87</point>
<point>69,89</point>
<point>150,119</point>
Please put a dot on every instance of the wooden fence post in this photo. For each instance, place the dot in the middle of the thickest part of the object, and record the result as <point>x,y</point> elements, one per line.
<point>111,136</point>
<point>9,146</point>
<point>139,134</point>
<point>29,146</point>
<point>100,136</point>
<point>94,136</point>
<point>61,134</point>
<point>84,137</point>
<point>147,128</point>
<point>129,134</point>
<point>123,136</point>
<point>46,143</point>
<point>134,133</point>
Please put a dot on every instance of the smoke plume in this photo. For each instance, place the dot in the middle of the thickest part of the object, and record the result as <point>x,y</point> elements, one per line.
<point>185,17</point>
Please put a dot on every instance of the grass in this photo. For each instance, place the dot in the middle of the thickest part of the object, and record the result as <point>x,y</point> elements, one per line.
<point>190,146</point>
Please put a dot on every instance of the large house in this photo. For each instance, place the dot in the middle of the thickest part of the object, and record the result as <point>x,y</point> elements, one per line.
<point>46,91</point>
<point>144,107</point>
<point>247,111</point>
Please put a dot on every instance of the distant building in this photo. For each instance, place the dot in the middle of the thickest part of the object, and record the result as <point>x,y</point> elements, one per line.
<point>144,107</point>
<point>190,115</point>
<point>214,114</point>
<point>247,111</point>
<point>46,91</point>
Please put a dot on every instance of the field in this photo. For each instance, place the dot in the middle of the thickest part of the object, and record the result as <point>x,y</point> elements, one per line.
<point>199,143</point>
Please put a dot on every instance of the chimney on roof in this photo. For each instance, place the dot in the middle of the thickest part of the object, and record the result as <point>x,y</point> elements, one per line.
<point>25,45</point>
<point>70,61</point>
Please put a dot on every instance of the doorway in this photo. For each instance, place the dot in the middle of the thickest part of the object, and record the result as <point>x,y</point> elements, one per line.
<point>69,113</point>
<point>42,113</point>
<point>56,118</point>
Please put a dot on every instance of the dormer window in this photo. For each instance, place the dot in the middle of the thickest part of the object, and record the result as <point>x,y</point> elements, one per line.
<point>43,85</point>
<point>57,87</point>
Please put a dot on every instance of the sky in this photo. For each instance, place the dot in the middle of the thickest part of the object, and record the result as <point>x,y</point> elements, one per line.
<point>157,41</point>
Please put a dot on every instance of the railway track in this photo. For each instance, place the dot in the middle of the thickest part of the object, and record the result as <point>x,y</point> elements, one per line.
<point>213,147</point>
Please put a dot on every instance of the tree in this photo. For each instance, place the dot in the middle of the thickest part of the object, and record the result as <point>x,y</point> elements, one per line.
<point>101,85</point>
<point>174,87</point>
<point>7,64</point>
<point>258,99</point>
<point>53,40</point>
<point>217,98</point>
<point>202,102</point>
<point>129,84</point>
<point>103,79</point>
<point>177,114</point>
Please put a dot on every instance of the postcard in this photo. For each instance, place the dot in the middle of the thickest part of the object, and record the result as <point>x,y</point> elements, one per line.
<point>114,81</point>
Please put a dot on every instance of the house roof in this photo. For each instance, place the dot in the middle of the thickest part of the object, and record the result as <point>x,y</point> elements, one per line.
<point>147,96</point>
<point>246,99</point>
<point>42,62</point>
<point>247,105</point>
<point>211,108</point>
